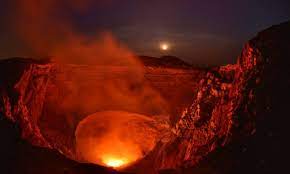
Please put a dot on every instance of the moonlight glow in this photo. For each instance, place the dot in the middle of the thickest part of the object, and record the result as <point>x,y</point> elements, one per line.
<point>164,46</point>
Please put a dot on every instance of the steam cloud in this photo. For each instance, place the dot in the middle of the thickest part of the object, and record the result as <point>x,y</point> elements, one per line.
<point>40,25</point>
<point>47,32</point>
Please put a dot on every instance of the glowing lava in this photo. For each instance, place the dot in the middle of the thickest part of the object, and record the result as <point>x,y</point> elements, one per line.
<point>115,163</point>
<point>115,138</point>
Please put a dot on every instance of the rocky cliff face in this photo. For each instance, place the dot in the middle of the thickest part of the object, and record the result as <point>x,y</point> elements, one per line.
<point>209,109</point>
<point>237,101</point>
<point>48,100</point>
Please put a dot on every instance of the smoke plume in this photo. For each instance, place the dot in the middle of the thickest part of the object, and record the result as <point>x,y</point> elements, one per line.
<point>120,85</point>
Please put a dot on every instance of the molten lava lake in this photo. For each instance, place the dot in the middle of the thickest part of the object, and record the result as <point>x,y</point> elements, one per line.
<point>116,139</point>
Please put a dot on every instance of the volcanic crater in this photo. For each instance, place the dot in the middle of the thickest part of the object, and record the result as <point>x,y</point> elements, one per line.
<point>164,117</point>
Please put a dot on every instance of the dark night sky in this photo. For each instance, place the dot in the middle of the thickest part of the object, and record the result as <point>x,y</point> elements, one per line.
<point>200,31</point>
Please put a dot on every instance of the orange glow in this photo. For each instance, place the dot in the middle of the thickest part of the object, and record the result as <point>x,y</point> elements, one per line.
<point>115,163</point>
<point>115,139</point>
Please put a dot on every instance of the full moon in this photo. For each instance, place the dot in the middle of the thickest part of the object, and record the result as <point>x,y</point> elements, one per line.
<point>164,46</point>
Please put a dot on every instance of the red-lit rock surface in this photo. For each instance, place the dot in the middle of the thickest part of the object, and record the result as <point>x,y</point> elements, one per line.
<point>49,100</point>
<point>233,103</point>
<point>208,109</point>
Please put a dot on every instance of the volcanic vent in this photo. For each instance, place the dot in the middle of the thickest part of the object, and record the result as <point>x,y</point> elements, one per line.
<point>116,138</point>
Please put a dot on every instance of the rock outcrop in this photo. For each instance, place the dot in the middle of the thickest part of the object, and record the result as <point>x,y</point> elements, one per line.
<point>235,102</point>
<point>210,109</point>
